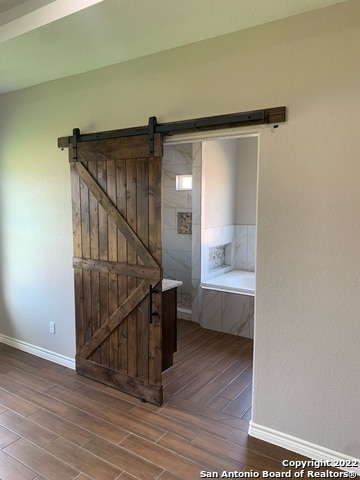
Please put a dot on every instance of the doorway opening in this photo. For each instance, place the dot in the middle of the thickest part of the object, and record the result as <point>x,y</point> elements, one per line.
<point>209,232</point>
<point>213,364</point>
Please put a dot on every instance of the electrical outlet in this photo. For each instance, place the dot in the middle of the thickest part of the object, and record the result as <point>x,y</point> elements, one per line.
<point>52,327</point>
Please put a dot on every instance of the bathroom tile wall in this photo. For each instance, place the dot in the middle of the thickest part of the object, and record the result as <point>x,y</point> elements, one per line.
<point>228,312</point>
<point>177,247</point>
<point>244,247</point>
<point>242,241</point>
<point>196,234</point>
<point>214,237</point>
<point>217,256</point>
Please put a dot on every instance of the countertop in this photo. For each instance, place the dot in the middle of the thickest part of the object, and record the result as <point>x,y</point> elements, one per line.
<point>168,284</point>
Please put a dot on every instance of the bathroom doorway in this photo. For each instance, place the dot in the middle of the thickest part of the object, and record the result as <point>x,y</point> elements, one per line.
<point>210,228</point>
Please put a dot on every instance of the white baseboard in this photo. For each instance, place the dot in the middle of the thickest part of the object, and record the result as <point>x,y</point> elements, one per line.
<point>38,351</point>
<point>310,450</point>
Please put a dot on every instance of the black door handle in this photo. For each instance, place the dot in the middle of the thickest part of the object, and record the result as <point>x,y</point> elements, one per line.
<point>152,313</point>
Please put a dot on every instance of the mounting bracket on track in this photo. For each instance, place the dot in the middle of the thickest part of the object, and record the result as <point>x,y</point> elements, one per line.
<point>74,141</point>
<point>152,128</point>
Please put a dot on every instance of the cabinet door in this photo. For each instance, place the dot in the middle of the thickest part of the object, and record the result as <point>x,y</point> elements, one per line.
<point>169,300</point>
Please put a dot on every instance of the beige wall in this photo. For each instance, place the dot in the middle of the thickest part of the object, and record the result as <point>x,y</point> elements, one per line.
<point>307,362</point>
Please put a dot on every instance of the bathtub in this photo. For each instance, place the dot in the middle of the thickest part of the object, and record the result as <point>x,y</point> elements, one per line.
<point>236,281</point>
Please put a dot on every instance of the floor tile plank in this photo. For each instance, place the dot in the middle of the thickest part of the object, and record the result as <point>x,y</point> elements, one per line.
<point>17,404</point>
<point>44,401</point>
<point>32,381</point>
<point>104,397</point>
<point>82,460</point>
<point>40,461</point>
<point>10,468</point>
<point>23,427</point>
<point>131,424</point>
<point>6,436</point>
<point>74,399</point>
<point>96,425</point>
<point>167,424</point>
<point>206,457</point>
<point>130,462</point>
<point>61,427</point>
<point>163,457</point>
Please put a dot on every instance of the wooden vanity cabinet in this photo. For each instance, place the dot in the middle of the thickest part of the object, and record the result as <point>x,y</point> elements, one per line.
<point>169,327</point>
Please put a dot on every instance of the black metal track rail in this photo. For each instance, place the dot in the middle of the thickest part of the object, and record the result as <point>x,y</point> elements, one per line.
<point>255,117</point>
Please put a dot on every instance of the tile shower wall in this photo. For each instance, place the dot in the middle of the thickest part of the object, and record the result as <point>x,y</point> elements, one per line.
<point>240,241</point>
<point>196,233</point>
<point>217,257</point>
<point>212,238</point>
<point>244,247</point>
<point>177,210</point>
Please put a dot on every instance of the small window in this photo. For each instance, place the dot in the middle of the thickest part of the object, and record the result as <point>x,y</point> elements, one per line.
<point>183,182</point>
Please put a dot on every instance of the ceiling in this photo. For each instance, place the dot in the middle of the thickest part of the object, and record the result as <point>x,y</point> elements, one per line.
<point>42,40</point>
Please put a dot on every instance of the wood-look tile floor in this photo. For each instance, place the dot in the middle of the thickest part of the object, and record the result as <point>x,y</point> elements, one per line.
<point>57,425</point>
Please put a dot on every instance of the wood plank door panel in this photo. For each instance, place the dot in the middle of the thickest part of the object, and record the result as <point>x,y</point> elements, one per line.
<point>116,202</point>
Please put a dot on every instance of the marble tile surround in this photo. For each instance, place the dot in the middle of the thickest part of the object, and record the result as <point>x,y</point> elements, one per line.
<point>245,242</point>
<point>228,312</point>
<point>177,207</point>
<point>216,256</point>
<point>213,237</point>
<point>196,234</point>
<point>240,255</point>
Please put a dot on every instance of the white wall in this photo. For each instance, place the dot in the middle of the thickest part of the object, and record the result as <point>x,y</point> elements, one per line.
<point>307,362</point>
<point>246,181</point>
<point>219,164</point>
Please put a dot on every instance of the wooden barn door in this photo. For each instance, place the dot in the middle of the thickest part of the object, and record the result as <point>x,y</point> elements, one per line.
<point>116,198</point>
